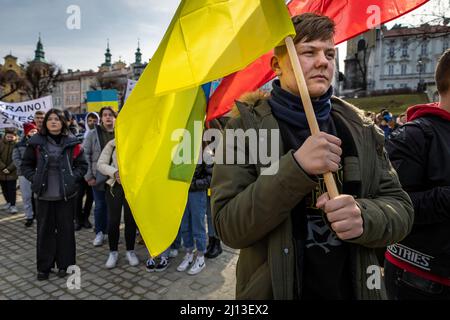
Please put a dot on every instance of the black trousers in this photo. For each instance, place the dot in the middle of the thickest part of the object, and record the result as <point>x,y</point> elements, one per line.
<point>55,234</point>
<point>82,213</point>
<point>403,285</point>
<point>115,200</point>
<point>9,189</point>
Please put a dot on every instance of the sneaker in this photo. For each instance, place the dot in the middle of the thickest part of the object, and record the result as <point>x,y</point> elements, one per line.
<point>132,258</point>
<point>98,241</point>
<point>6,206</point>
<point>198,266</point>
<point>13,210</point>
<point>173,253</point>
<point>187,261</point>
<point>29,223</point>
<point>162,265</point>
<point>112,259</point>
<point>150,265</point>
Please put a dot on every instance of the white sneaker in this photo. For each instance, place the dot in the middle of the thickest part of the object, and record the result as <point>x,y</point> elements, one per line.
<point>198,266</point>
<point>98,241</point>
<point>6,206</point>
<point>13,210</point>
<point>173,253</point>
<point>187,261</point>
<point>132,258</point>
<point>112,259</point>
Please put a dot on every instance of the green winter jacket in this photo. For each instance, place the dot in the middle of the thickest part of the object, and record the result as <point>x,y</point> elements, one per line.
<point>6,161</point>
<point>252,212</point>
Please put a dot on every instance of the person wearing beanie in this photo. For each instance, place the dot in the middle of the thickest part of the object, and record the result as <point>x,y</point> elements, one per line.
<point>8,173</point>
<point>29,129</point>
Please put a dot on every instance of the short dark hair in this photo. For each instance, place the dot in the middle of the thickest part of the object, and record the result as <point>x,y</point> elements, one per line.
<point>39,112</point>
<point>64,130</point>
<point>11,131</point>
<point>92,115</point>
<point>68,115</point>
<point>310,27</point>
<point>105,109</point>
<point>442,74</point>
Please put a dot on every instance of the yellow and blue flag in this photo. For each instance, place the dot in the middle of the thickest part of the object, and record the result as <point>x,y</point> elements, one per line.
<point>102,98</point>
<point>206,40</point>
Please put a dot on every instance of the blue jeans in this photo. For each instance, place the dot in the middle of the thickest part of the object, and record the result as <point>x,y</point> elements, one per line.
<point>193,223</point>
<point>177,242</point>
<point>100,211</point>
<point>211,230</point>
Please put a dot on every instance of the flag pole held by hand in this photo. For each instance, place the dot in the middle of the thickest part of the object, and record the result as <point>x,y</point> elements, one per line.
<point>310,115</point>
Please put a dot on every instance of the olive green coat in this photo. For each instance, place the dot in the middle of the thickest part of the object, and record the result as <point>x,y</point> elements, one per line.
<point>251,211</point>
<point>6,162</point>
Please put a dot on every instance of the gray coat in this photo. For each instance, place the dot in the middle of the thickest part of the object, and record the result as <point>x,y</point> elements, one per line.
<point>92,151</point>
<point>18,153</point>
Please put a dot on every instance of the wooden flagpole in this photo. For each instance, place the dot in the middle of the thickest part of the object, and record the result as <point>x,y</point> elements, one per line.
<point>307,105</point>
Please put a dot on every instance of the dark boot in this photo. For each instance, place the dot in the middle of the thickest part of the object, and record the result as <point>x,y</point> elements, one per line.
<point>215,249</point>
<point>87,224</point>
<point>210,243</point>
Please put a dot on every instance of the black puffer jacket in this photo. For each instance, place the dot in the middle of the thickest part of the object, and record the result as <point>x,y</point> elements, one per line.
<point>202,177</point>
<point>420,152</point>
<point>72,164</point>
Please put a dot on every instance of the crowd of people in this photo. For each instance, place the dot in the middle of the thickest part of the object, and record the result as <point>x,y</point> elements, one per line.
<point>295,240</point>
<point>65,170</point>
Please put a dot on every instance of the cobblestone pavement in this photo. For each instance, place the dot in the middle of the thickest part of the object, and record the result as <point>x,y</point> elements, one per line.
<point>18,271</point>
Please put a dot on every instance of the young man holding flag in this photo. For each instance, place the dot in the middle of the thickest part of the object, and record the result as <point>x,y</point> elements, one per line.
<point>419,266</point>
<point>295,242</point>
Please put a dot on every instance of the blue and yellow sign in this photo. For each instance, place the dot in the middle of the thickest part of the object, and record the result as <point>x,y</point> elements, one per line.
<point>102,98</point>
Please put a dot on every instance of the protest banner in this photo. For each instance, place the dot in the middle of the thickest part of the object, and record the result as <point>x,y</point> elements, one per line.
<point>130,87</point>
<point>15,114</point>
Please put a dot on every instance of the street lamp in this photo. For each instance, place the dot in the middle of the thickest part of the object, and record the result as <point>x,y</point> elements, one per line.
<point>419,69</point>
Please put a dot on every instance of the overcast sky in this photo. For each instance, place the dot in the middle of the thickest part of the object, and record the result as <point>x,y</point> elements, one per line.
<point>122,21</point>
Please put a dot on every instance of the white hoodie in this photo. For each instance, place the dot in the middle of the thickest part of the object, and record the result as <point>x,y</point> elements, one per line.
<point>86,123</point>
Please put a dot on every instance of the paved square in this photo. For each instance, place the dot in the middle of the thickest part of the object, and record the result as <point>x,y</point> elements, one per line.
<point>18,270</point>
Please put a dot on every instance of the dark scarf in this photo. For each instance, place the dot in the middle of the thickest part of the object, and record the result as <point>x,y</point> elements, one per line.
<point>289,108</point>
<point>291,117</point>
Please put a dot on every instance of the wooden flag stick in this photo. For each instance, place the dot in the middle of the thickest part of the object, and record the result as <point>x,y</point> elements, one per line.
<point>307,105</point>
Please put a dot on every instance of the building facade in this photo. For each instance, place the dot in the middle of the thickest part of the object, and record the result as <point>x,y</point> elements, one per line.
<point>399,58</point>
<point>12,71</point>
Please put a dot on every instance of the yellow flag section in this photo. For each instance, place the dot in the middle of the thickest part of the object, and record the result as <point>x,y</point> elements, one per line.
<point>208,39</point>
<point>145,148</point>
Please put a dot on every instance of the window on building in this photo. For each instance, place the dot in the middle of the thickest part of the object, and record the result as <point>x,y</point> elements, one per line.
<point>405,48</point>
<point>391,70</point>
<point>392,51</point>
<point>404,67</point>
<point>403,85</point>
<point>390,86</point>
<point>424,49</point>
